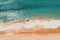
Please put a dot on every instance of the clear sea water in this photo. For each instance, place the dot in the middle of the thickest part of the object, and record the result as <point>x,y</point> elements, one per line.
<point>13,10</point>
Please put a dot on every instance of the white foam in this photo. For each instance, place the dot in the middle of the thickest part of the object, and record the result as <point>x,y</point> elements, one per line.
<point>44,23</point>
<point>16,26</point>
<point>7,2</point>
<point>31,24</point>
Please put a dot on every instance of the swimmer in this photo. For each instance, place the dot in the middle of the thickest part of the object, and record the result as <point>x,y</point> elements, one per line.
<point>27,19</point>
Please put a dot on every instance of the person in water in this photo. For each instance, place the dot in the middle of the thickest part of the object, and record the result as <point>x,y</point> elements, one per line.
<point>27,19</point>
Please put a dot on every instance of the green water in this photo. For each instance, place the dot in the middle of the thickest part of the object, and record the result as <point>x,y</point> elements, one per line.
<point>22,9</point>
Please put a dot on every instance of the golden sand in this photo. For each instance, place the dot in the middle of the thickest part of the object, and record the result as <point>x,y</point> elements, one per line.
<point>30,37</point>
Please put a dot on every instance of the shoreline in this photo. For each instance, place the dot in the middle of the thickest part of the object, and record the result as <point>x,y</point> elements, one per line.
<point>31,26</point>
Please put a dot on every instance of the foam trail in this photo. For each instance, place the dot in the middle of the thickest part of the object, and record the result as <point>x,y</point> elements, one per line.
<point>6,2</point>
<point>11,16</point>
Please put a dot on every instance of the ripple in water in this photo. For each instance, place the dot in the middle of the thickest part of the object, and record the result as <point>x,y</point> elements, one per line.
<point>11,16</point>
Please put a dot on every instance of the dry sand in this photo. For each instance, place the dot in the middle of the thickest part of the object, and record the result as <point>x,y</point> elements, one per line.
<point>30,37</point>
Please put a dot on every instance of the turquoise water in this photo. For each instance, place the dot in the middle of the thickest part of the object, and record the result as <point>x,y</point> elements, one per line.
<point>22,9</point>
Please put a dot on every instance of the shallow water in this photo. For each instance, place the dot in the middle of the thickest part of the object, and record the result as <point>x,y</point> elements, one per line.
<point>29,9</point>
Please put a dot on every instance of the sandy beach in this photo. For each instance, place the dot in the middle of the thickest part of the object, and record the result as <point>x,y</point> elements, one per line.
<point>32,30</point>
<point>30,37</point>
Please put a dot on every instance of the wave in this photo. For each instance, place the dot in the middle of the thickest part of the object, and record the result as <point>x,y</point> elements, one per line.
<point>25,4</point>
